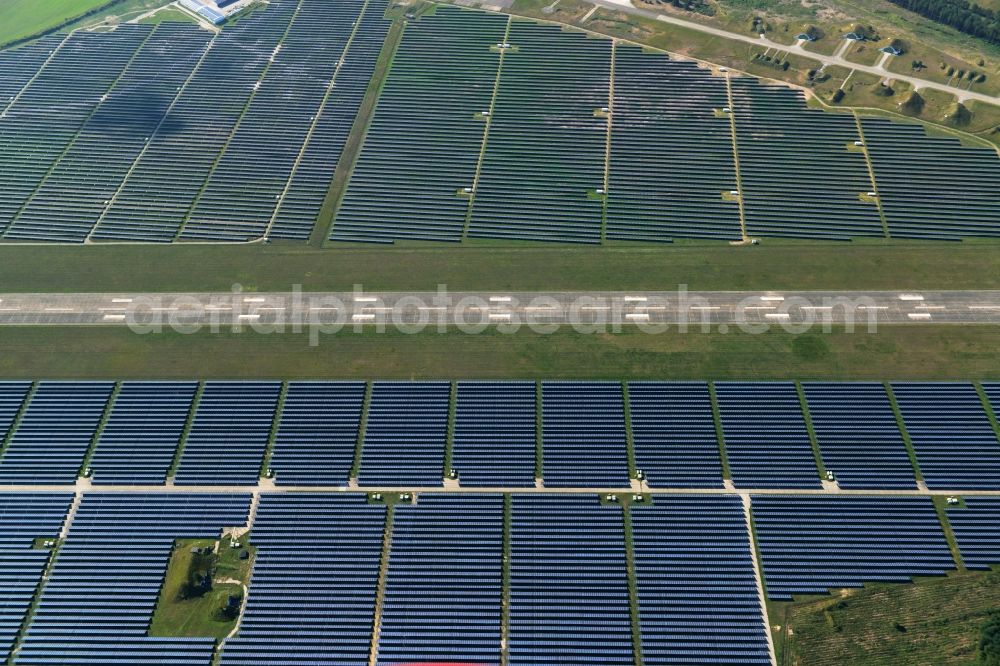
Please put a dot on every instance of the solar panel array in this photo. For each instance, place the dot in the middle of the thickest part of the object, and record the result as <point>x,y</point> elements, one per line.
<point>671,155</point>
<point>495,438</point>
<point>569,594</point>
<point>952,437</point>
<point>38,128</point>
<point>933,187</point>
<point>19,65</point>
<point>405,434</point>
<point>229,434</point>
<point>697,593</point>
<point>444,582</point>
<point>318,433</point>
<point>99,599</point>
<point>673,434</point>
<point>142,433</point>
<point>174,132</point>
<point>799,178</point>
<point>423,145</point>
<point>71,198</point>
<point>24,517</point>
<point>809,545</point>
<point>242,191</point>
<point>164,182</point>
<point>858,435</point>
<point>976,526</point>
<point>300,206</point>
<point>55,433</point>
<point>313,591</point>
<point>767,441</point>
<point>583,433</point>
<point>171,132</point>
<point>12,395</point>
<point>312,598</point>
<point>546,149</point>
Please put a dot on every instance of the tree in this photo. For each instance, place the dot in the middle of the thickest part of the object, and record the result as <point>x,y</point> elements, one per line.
<point>989,641</point>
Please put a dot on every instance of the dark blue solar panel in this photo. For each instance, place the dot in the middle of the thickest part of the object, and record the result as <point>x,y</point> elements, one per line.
<point>977,531</point>
<point>583,432</point>
<point>405,434</point>
<point>312,596</point>
<point>858,435</point>
<point>74,194</point>
<point>569,601</point>
<point>443,591</point>
<point>955,444</point>
<point>673,434</point>
<point>99,600</point>
<point>246,185</point>
<point>229,434</point>
<point>698,597</point>
<point>318,433</point>
<point>165,181</point>
<point>811,544</point>
<point>12,395</point>
<point>43,122</point>
<point>24,518</point>
<point>767,441</point>
<point>494,441</point>
<point>300,206</point>
<point>143,431</point>
<point>55,433</point>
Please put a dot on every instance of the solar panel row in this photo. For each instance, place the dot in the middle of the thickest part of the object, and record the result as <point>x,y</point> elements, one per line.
<point>423,144</point>
<point>41,125</point>
<point>315,575</point>
<point>312,596</point>
<point>71,198</point>
<point>299,208</point>
<point>671,153</point>
<point>932,187</point>
<point>142,433</point>
<point>544,160</point>
<point>495,434</point>
<point>767,442</point>
<point>444,583</point>
<point>799,178</point>
<point>237,136</point>
<point>857,432</point>
<point>672,170</point>
<point>23,518</point>
<point>55,432</point>
<point>244,187</point>
<point>954,442</point>
<point>98,602</point>
<point>697,593</point>
<point>976,526</point>
<point>809,545</point>
<point>162,184</point>
<point>229,434</point>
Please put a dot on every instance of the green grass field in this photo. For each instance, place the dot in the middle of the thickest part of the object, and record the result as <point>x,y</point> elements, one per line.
<point>934,622</point>
<point>23,18</point>
<point>198,617</point>
<point>899,352</point>
<point>771,265</point>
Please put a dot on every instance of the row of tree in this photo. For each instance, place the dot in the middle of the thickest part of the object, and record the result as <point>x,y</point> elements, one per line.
<point>962,15</point>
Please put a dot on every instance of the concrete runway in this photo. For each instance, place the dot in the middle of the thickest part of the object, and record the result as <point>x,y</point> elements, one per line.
<point>503,308</point>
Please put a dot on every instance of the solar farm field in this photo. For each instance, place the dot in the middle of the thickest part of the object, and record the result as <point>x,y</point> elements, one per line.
<point>560,434</point>
<point>367,557</point>
<point>612,142</point>
<point>160,132</point>
<point>487,129</point>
